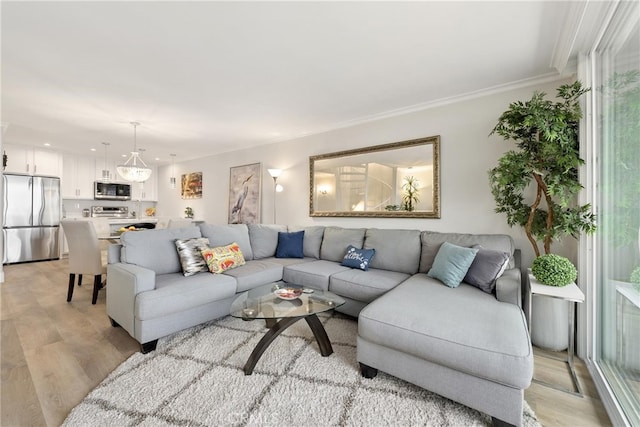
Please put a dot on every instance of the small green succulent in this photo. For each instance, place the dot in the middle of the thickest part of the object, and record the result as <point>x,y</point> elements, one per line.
<point>635,278</point>
<point>553,270</point>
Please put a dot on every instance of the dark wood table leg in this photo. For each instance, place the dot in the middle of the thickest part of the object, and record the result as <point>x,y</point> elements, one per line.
<point>321,335</point>
<point>270,323</point>
<point>278,327</point>
<point>266,340</point>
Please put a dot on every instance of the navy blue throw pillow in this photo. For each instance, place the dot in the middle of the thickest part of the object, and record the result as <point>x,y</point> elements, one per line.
<point>358,258</point>
<point>290,245</point>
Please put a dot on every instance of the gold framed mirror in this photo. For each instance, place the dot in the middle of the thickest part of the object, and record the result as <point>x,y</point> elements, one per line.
<point>396,180</point>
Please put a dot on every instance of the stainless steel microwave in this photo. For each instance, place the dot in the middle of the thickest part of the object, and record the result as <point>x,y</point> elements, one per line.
<point>111,191</point>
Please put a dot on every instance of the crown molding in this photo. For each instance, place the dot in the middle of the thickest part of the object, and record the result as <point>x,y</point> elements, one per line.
<point>581,30</point>
<point>567,39</point>
<point>543,79</point>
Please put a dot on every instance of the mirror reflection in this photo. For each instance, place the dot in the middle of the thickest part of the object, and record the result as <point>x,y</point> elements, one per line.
<point>390,180</point>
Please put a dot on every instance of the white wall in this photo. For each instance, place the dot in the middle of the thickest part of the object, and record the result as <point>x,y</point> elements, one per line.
<point>467,153</point>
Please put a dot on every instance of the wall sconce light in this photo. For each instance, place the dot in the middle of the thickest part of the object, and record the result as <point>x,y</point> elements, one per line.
<point>172,178</point>
<point>323,189</point>
<point>277,188</point>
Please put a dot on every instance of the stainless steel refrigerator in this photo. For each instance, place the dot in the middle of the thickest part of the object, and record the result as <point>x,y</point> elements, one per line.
<point>31,220</point>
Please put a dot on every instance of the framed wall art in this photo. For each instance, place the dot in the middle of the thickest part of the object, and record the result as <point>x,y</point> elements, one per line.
<point>191,185</point>
<point>245,186</point>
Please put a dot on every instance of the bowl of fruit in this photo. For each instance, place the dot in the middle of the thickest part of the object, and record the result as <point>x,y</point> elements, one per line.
<point>288,293</point>
<point>129,228</point>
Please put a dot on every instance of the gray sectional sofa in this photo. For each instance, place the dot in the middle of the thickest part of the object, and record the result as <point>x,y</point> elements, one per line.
<point>462,343</point>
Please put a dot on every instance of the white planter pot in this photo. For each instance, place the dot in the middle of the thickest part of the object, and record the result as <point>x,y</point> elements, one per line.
<point>550,323</point>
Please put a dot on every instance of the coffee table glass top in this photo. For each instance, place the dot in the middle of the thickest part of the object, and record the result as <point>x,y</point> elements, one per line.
<point>263,302</point>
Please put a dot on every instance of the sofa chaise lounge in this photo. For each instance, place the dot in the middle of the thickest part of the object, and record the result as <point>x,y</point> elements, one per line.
<point>463,343</point>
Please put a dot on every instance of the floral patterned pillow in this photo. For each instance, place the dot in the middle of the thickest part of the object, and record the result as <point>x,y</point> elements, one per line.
<point>189,251</point>
<point>223,258</point>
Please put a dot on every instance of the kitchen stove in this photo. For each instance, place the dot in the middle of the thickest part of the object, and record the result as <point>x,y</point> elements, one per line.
<point>109,211</point>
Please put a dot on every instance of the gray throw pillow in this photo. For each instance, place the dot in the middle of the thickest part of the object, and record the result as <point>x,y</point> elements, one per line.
<point>486,268</point>
<point>190,253</point>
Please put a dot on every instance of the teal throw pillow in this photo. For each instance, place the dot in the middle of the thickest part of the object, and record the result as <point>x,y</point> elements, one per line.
<point>290,245</point>
<point>358,258</point>
<point>452,263</point>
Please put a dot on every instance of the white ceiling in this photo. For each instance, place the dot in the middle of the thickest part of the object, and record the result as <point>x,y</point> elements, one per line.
<point>208,77</point>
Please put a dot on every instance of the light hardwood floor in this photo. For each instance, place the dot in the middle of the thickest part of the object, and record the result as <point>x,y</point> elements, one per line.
<point>53,353</point>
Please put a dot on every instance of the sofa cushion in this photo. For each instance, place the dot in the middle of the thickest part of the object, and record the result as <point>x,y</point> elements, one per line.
<point>337,239</point>
<point>223,258</point>
<point>175,293</point>
<point>155,249</point>
<point>312,239</point>
<point>486,267</point>
<point>452,263</point>
<point>288,261</point>
<point>358,258</point>
<point>290,245</point>
<point>255,273</point>
<point>190,254</point>
<point>264,239</point>
<point>432,240</point>
<point>314,274</point>
<point>396,250</point>
<point>221,235</point>
<point>460,328</point>
<point>365,285</point>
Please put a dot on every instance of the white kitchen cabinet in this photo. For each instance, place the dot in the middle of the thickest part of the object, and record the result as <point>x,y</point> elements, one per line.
<point>33,161</point>
<point>111,167</point>
<point>78,175</point>
<point>148,190</point>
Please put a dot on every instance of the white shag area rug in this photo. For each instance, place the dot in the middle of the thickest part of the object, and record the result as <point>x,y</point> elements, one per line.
<point>195,378</point>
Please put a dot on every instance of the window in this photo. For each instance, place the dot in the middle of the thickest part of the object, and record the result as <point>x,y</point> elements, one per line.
<point>615,321</point>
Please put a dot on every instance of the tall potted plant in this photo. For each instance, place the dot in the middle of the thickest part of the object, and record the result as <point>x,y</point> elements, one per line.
<point>410,190</point>
<point>546,163</point>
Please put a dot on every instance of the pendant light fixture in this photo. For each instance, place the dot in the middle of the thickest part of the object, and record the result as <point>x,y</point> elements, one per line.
<point>172,178</point>
<point>106,173</point>
<point>134,169</point>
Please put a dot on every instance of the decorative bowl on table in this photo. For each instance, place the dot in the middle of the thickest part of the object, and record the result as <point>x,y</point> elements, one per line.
<point>123,229</point>
<point>288,293</point>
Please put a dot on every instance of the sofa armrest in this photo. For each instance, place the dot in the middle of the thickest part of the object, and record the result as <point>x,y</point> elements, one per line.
<point>509,287</point>
<point>113,253</point>
<point>124,283</point>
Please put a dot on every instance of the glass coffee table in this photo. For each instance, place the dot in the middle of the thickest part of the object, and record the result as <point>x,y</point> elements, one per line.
<point>281,305</point>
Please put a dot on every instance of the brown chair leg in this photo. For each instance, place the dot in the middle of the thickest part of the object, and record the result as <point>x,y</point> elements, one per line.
<point>79,279</point>
<point>97,284</point>
<point>72,279</point>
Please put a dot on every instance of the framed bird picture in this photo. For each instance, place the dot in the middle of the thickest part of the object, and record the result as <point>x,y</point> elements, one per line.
<point>245,186</point>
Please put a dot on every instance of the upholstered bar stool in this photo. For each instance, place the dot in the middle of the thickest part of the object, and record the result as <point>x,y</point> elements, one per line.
<point>84,255</point>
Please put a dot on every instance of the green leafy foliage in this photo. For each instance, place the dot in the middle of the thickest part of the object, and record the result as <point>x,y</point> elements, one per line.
<point>635,278</point>
<point>546,135</point>
<point>553,270</point>
<point>410,192</point>
<point>621,188</point>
